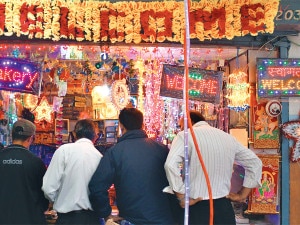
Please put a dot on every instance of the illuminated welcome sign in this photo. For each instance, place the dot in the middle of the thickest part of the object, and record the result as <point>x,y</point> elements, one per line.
<point>204,85</point>
<point>18,75</point>
<point>278,77</point>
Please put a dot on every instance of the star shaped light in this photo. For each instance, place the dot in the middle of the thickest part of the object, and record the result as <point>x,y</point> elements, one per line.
<point>43,111</point>
<point>291,130</point>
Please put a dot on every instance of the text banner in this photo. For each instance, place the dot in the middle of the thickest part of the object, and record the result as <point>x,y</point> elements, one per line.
<point>19,75</point>
<point>278,77</point>
<point>204,85</point>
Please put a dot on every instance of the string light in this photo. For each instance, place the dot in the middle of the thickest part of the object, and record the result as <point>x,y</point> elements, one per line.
<point>43,111</point>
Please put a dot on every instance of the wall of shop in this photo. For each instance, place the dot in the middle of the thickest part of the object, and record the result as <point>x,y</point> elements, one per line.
<point>294,114</point>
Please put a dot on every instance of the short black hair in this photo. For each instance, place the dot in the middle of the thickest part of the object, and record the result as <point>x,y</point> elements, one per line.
<point>131,118</point>
<point>85,129</point>
<point>196,116</point>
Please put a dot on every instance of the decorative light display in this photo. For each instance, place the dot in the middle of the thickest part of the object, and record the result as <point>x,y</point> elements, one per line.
<point>238,91</point>
<point>43,111</point>
<point>204,85</point>
<point>153,102</point>
<point>18,75</point>
<point>141,68</point>
<point>291,130</point>
<point>30,101</point>
<point>278,78</point>
<point>120,94</point>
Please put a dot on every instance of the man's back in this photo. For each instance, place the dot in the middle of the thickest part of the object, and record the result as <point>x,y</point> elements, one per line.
<point>136,167</point>
<point>68,175</point>
<point>21,174</point>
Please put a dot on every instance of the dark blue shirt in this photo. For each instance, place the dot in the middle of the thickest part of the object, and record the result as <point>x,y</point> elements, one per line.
<point>135,165</point>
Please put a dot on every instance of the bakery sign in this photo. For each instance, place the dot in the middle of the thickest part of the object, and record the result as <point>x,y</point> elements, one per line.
<point>203,85</point>
<point>278,78</point>
<point>19,75</point>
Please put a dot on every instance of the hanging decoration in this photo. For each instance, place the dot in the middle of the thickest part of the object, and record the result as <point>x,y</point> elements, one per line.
<point>135,22</point>
<point>153,116</point>
<point>238,91</point>
<point>291,130</point>
<point>30,101</point>
<point>19,75</point>
<point>120,94</point>
<point>43,111</point>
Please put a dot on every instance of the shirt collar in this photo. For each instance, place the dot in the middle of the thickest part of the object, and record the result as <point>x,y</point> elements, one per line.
<point>201,123</point>
<point>81,140</point>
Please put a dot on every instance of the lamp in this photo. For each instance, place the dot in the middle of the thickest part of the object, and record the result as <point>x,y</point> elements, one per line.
<point>238,91</point>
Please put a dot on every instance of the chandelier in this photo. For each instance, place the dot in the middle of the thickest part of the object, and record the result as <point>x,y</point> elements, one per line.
<point>238,91</point>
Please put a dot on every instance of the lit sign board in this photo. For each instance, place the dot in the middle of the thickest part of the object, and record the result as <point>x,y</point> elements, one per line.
<point>278,77</point>
<point>19,75</point>
<point>204,85</point>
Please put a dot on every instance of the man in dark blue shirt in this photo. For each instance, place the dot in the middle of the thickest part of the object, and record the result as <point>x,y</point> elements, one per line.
<point>135,165</point>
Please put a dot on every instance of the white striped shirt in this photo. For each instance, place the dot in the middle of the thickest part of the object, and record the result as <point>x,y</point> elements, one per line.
<point>219,151</point>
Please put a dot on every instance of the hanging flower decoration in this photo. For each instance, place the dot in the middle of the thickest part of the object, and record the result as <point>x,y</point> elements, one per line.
<point>291,130</point>
<point>135,22</point>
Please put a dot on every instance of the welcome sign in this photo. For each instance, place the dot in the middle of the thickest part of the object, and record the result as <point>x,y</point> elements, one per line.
<point>278,77</point>
<point>19,75</point>
<point>204,85</point>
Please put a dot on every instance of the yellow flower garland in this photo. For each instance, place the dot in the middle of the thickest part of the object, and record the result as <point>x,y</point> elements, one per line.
<point>136,22</point>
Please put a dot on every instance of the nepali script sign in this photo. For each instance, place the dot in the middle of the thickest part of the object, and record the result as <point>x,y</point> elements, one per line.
<point>19,75</point>
<point>204,85</point>
<point>278,77</point>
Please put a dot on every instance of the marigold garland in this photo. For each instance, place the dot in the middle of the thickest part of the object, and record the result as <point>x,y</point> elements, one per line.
<point>135,22</point>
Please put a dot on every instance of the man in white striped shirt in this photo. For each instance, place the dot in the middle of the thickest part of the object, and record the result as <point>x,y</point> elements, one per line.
<point>219,151</point>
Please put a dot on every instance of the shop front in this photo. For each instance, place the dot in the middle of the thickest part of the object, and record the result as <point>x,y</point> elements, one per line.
<point>68,60</point>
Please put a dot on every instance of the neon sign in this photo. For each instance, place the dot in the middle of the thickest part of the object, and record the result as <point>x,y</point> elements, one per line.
<point>18,75</point>
<point>278,77</point>
<point>204,85</point>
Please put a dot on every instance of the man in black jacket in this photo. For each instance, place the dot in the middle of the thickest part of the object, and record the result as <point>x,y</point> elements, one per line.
<point>21,174</point>
<point>135,165</point>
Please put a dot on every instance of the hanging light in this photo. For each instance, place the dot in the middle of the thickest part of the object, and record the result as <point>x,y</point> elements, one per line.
<point>238,91</point>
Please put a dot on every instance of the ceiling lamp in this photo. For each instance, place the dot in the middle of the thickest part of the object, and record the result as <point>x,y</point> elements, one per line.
<point>238,91</point>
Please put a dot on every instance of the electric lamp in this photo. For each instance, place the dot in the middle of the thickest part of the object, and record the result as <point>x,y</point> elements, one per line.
<point>238,91</point>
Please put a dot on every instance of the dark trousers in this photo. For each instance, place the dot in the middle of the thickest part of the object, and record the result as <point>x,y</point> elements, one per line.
<point>80,217</point>
<point>199,213</point>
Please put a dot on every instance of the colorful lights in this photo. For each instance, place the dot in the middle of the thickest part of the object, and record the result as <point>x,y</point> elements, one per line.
<point>278,77</point>
<point>238,91</point>
<point>204,85</point>
<point>43,111</point>
<point>18,75</point>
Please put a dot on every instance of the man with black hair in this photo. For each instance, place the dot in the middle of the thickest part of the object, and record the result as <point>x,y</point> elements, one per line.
<point>135,165</point>
<point>219,151</point>
<point>65,183</point>
<point>21,174</point>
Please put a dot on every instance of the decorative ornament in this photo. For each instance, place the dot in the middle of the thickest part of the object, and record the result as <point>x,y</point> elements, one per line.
<point>120,93</point>
<point>291,130</point>
<point>273,108</point>
<point>30,101</point>
<point>16,52</point>
<point>43,111</point>
<point>109,111</point>
<point>238,91</point>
